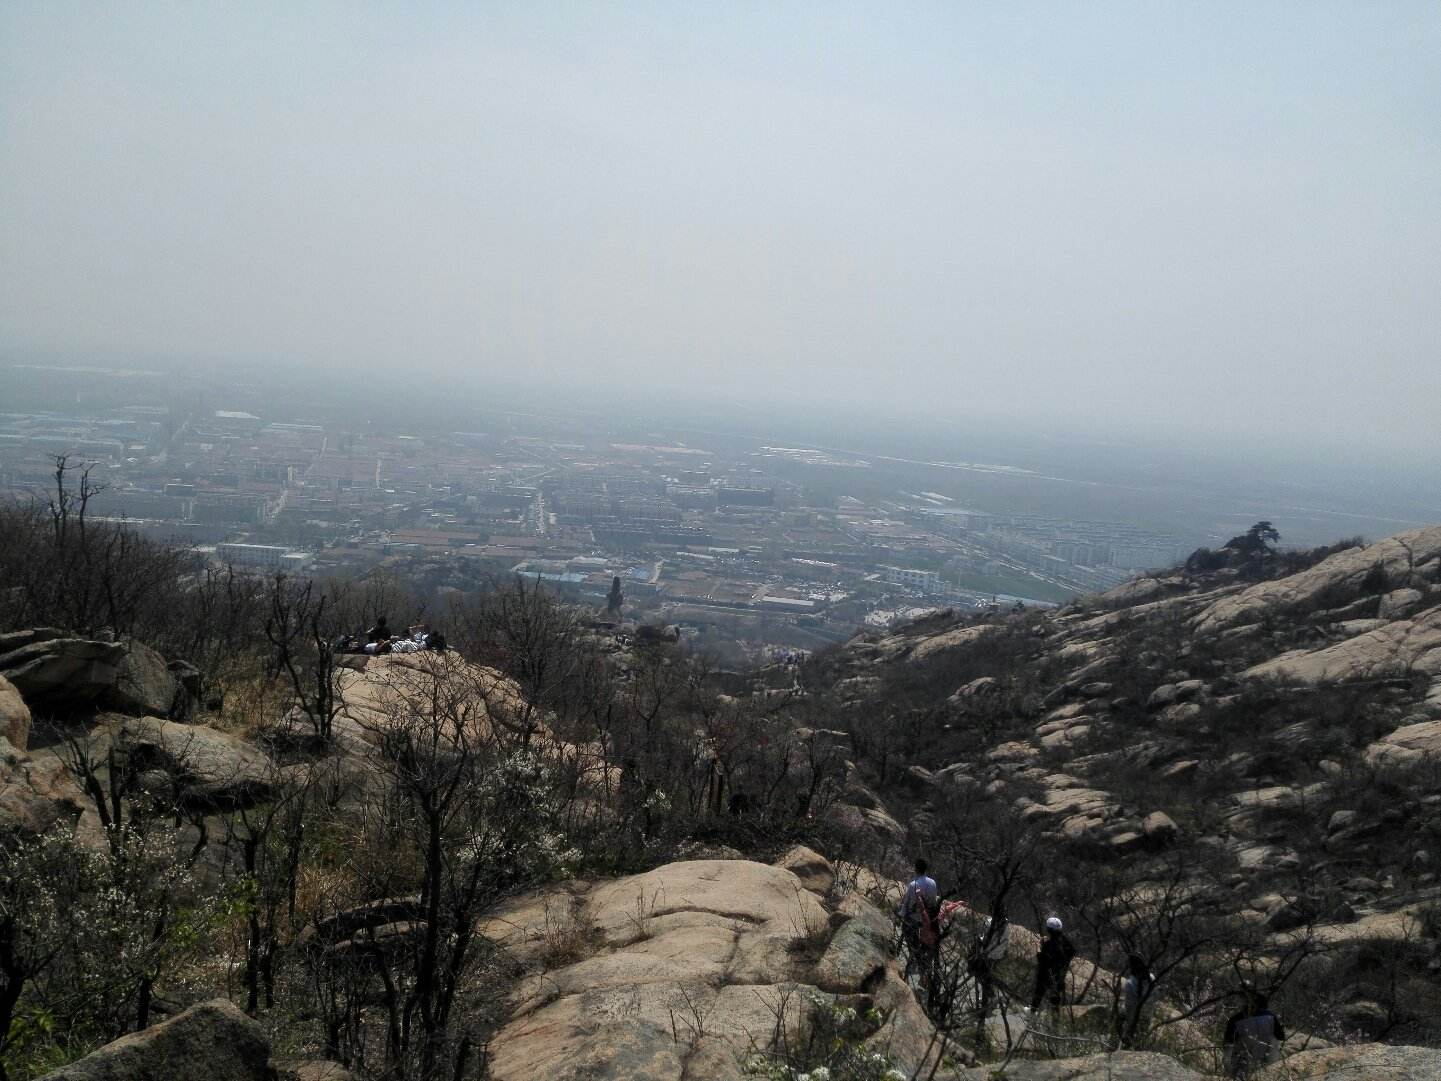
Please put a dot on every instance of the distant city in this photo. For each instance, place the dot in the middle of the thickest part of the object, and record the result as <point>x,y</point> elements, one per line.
<point>730,541</point>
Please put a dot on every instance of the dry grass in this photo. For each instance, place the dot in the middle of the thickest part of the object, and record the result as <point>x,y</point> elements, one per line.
<point>812,933</point>
<point>249,703</point>
<point>568,934</point>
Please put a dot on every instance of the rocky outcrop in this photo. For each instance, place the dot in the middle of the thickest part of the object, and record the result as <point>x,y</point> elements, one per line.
<point>1159,828</point>
<point>1400,561</point>
<point>812,869</point>
<point>35,793</point>
<point>1141,591</point>
<point>378,691</point>
<point>59,675</point>
<point>930,648</point>
<point>13,640</point>
<point>214,1040</point>
<point>195,766</point>
<point>14,716</point>
<point>872,827</point>
<point>1193,715</point>
<point>1409,743</point>
<point>66,676</point>
<point>143,685</point>
<point>1393,649</point>
<point>680,972</point>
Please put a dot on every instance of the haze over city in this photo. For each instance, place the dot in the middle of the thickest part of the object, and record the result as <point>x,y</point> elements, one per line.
<point>1125,221</point>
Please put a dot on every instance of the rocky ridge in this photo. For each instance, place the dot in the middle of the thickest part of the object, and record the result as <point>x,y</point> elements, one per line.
<point>1285,732</point>
<point>1230,647</point>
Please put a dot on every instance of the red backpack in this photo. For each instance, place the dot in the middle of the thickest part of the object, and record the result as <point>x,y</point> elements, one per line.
<point>930,931</point>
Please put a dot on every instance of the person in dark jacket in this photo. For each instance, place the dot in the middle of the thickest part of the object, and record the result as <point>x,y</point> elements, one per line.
<point>378,633</point>
<point>1052,963</point>
<point>1253,1037</point>
<point>1136,991</point>
<point>988,951</point>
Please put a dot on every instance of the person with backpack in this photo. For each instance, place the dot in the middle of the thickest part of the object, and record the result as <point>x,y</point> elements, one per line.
<point>920,921</point>
<point>1136,991</point>
<point>1253,1037</point>
<point>1053,961</point>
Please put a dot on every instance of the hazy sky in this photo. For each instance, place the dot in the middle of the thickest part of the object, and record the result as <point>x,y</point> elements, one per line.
<point>1127,216</point>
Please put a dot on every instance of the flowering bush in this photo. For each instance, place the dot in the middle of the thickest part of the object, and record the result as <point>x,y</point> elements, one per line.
<point>833,1049</point>
<point>85,933</point>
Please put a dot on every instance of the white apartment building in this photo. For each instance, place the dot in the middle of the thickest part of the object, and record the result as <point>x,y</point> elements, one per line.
<point>925,581</point>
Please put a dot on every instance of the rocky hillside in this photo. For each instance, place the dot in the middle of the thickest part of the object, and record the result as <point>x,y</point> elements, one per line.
<point>584,858</point>
<point>1275,742</point>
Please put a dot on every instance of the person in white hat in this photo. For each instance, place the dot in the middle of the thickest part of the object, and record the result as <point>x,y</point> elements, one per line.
<point>1052,963</point>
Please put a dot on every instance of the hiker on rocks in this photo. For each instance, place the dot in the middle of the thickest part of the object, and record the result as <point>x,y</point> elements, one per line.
<point>378,633</point>
<point>986,953</point>
<point>1135,995</point>
<point>920,919</point>
<point>1052,963</point>
<point>1253,1037</point>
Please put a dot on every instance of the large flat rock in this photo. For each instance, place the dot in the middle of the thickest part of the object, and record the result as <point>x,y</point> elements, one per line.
<point>1396,649</point>
<point>929,648</point>
<point>682,971</point>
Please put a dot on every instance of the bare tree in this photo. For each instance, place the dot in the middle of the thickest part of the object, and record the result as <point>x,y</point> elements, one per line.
<point>301,629</point>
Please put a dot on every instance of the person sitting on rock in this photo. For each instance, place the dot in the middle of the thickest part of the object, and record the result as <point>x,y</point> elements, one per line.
<point>379,632</point>
<point>1053,962</point>
<point>1253,1036</point>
